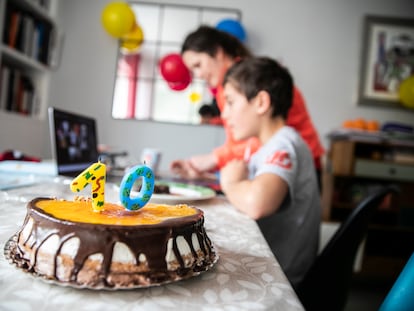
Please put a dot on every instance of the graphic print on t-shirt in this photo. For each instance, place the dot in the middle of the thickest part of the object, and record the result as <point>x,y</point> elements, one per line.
<point>280,158</point>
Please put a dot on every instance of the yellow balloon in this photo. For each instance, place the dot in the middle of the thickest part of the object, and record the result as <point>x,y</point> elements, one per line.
<point>406,92</point>
<point>132,40</point>
<point>118,19</point>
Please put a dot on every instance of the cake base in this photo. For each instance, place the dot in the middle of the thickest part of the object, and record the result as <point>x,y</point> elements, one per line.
<point>66,243</point>
<point>13,258</point>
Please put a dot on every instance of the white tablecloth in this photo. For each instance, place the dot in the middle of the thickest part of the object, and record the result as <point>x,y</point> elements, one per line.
<point>246,276</point>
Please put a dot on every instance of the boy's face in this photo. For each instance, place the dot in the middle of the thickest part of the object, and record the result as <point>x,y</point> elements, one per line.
<point>238,113</point>
<point>205,67</point>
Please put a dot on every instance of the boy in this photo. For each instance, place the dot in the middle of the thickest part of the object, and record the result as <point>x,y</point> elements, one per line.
<point>278,186</point>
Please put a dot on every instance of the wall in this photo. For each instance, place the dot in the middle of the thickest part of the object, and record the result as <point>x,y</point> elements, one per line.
<point>319,40</point>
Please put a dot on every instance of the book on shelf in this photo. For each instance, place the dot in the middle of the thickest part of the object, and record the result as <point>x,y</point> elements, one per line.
<point>43,42</point>
<point>14,26</point>
<point>18,93</point>
<point>25,96</point>
<point>25,44</point>
<point>5,78</point>
<point>10,91</point>
<point>28,34</point>
<point>34,51</point>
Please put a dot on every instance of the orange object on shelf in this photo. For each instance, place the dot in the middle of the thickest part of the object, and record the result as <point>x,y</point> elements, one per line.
<point>362,124</point>
<point>373,126</point>
<point>348,124</point>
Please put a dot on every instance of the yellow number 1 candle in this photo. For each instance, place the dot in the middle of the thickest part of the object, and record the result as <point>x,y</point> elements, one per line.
<point>94,175</point>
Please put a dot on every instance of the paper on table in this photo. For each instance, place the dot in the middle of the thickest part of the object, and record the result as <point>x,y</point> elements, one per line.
<point>28,167</point>
<point>15,174</point>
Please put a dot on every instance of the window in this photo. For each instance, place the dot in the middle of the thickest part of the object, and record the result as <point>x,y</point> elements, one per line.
<point>140,91</point>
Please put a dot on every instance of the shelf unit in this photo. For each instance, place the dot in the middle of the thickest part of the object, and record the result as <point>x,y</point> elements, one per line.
<point>356,166</point>
<point>28,52</point>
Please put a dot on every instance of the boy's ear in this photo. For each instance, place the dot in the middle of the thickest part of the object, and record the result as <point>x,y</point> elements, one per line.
<point>263,102</point>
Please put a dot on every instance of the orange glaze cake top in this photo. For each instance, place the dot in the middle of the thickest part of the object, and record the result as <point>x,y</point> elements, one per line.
<point>113,214</point>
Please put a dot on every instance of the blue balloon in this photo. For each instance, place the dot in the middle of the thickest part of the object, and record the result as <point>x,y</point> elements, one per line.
<point>232,27</point>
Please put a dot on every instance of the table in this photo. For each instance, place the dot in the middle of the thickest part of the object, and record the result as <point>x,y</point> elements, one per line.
<point>246,277</point>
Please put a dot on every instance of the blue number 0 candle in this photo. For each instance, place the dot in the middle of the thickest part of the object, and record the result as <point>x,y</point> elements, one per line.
<point>144,194</point>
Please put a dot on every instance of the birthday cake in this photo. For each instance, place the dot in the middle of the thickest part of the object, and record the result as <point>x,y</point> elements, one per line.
<point>67,242</point>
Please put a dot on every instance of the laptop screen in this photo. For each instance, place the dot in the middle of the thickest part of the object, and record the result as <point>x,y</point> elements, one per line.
<point>74,141</point>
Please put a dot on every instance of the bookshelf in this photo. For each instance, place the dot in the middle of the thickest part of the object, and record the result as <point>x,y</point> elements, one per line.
<point>28,53</point>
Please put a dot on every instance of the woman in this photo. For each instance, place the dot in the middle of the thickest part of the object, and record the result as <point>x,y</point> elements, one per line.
<point>209,53</point>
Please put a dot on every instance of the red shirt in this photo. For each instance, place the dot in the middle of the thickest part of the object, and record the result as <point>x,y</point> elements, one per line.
<point>298,118</point>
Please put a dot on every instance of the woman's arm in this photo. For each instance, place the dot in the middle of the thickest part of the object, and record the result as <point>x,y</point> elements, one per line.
<point>198,167</point>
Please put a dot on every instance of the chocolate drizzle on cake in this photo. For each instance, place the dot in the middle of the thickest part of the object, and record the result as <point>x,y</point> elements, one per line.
<point>93,264</point>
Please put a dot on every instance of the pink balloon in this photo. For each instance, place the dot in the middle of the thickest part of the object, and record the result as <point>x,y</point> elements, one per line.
<point>173,69</point>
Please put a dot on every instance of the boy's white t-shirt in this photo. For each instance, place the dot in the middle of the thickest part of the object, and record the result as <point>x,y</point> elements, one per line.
<point>293,231</point>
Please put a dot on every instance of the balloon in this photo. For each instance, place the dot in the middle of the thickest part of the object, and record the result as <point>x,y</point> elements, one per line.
<point>406,92</point>
<point>132,40</point>
<point>232,27</point>
<point>118,19</point>
<point>174,70</point>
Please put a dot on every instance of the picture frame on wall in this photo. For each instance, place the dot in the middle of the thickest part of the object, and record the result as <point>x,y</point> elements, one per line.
<point>387,60</point>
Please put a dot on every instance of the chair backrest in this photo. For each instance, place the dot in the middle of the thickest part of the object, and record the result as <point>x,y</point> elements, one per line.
<point>326,284</point>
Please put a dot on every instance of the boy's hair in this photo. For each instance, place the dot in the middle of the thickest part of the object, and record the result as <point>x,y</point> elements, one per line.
<point>252,75</point>
<point>207,39</point>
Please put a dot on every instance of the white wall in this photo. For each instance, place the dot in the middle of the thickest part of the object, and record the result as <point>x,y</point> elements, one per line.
<point>319,40</point>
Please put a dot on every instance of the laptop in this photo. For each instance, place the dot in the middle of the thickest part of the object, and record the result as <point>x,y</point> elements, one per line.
<point>74,146</point>
<point>74,141</point>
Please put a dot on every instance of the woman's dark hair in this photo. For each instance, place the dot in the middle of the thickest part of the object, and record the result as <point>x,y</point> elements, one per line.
<point>252,75</point>
<point>207,39</point>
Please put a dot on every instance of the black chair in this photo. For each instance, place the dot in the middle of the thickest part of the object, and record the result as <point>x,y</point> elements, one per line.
<point>326,285</point>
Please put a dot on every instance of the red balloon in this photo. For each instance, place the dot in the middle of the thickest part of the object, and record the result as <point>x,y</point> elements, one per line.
<point>173,69</point>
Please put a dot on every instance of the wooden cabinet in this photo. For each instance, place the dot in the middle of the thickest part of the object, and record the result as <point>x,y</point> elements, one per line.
<point>357,165</point>
<point>29,48</point>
